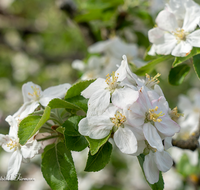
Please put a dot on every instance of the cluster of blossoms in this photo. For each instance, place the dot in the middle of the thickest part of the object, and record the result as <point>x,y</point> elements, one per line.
<point>136,114</point>
<point>176,30</point>
<point>112,51</point>
<point>34,98</point>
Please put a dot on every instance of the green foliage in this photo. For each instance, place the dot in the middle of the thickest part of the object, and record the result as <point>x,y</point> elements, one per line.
<point>73,139</point>
<point>58,168</point>
<point>149,67</point>
<point>100,159</point>
<point>196,64</point>
<point>58,103</point>
<point>31,124</point>
<point>77,88</point>
<point>95,144</point>
<point>156,186</point>
<point>177,74</point>
<point>185,168</point>
<point>179,60</point>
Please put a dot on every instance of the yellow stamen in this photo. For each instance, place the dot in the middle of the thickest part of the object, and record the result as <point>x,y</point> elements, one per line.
<point>180,34</point>
<point>119,119</point>
<point>151,81</point>
<point>12,144</point>
<point>36,93</point>
<point>112,81</point>
<point>154,116</point>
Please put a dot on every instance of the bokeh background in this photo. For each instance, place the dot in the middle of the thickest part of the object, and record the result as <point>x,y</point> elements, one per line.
<point>39,40</point>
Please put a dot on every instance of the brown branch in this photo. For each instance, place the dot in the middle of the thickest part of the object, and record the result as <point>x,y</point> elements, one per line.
<point>191,144</point>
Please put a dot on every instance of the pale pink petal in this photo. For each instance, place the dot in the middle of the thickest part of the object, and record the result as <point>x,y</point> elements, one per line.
<point>125,140</point>
<point>167,126</point>
<point>150,169</point>
<point>163,161</point>
<point>14,165</point>
<point>141,147</point>
<point>95,86</point>
<point>152,136</point>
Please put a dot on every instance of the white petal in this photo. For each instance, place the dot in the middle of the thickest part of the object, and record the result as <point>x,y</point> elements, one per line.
<point>98,102</point>
<point>166,21</point>
<point>168,44</point>
<point>125,140</point>
<point>28,91</point>
<point>29,150</point>
<point>163,161</point>
<point>92,88</point>
<point>152,51</point>
<point>96,127</point>
<point>124,96</point>
<point>182,49</point>
<point>141,147</point>
<point>168,143</point>
<point>191,19</point>
<point>13,126</point>
<point>150,169</point>
<point>194,38</point>
<point>14,165</point>
<point>56,91</point>
<point>155,36</point>
<point>152,136</point>
<point>167,126</point>
<point>4,139</point>
<point>45,100</point>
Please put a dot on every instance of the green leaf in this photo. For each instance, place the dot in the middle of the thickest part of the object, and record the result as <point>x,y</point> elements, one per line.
<point>76,143</point>
<point>79,101</point>
<point>58,103</point>
<point>95,144</point>
<point>73,139</point>
<point>156,186</point>
<point>179,60</point>
<point>177,74</point>
<point>58,168</point>
<point>100,159</point>
<point>71,126</point>
<point>151,65</point>
<point>31,124</point>
<point>148,57</point>
<point>196,64</point>
<point>77,88</point>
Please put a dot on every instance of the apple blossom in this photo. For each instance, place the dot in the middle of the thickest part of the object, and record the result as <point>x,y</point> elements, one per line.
<point>101,91</point>
<point>153,117</point>
<point>112,121</point>
<point>34,96</point>
<point>170,38</point>
<point>10,143</point>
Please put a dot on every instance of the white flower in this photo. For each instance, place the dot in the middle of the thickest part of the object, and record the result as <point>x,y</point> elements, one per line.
<point>10,143</point>
<point>34,96</point>
<point>170,38</point>
<point>116,48</point>
<point>114,119</point>
<point>155,162</point>
<point>153,117</point>
<point>101,91</point>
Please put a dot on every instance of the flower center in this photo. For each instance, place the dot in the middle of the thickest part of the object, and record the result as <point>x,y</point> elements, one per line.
<point>175,115</point>
<point>36,93</point>
<point>118,120</point>
<point>155,116</point>
<point>151,81</point>
<point>13,144</point>
<point>180,34</point>
<point>112,81</point>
